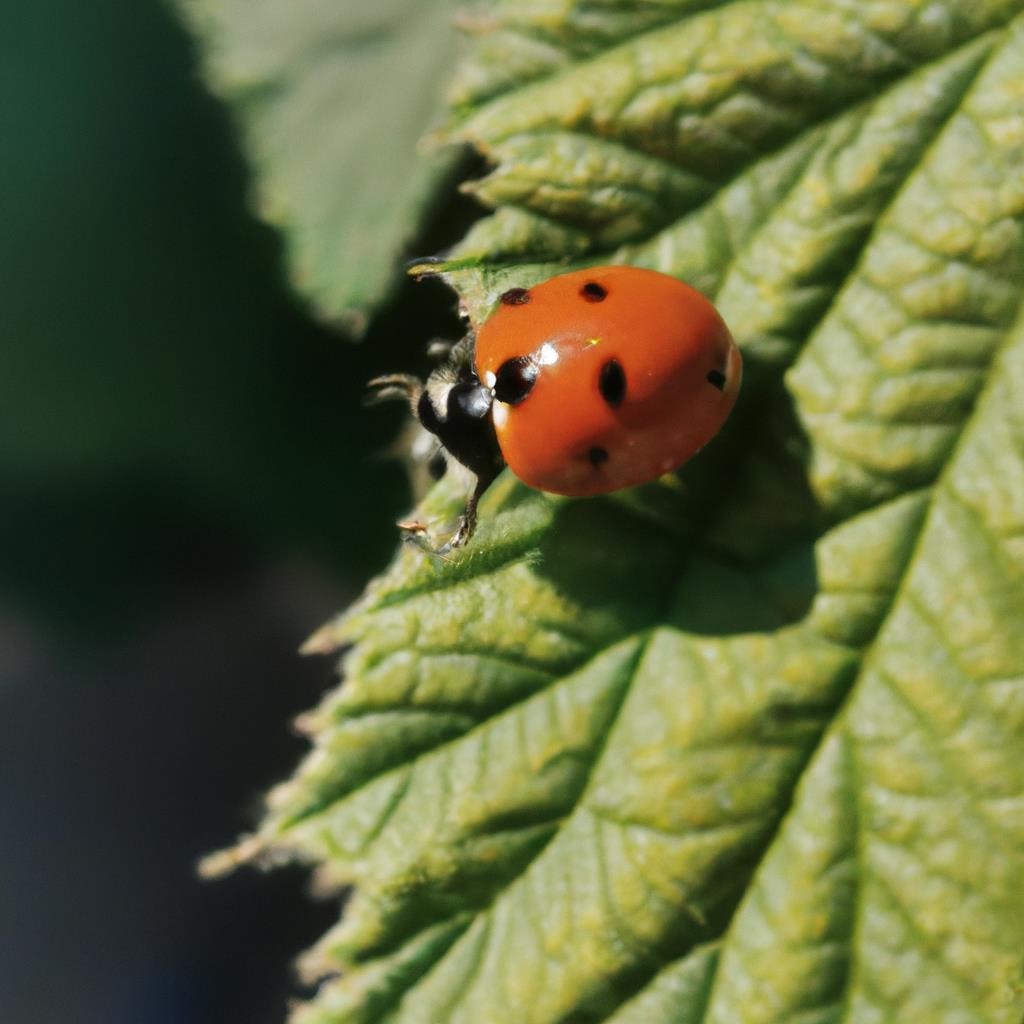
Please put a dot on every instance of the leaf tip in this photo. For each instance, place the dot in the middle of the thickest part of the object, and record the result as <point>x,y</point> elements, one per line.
<point>435,266</point>
<point>223,862</point>
<point>306,724</point>
<point>325,640</point>
<point>314,966</point>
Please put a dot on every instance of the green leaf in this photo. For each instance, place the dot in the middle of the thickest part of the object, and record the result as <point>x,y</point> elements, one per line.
<point>746,744</point>
<point>332,99</point>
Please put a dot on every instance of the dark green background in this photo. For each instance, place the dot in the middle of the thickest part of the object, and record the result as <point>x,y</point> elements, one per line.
<point>189,484</point>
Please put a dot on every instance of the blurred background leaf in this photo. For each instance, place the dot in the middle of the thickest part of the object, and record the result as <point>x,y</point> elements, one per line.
<point>334,100</point>
<point>166,408</point>
<point>180,447</point>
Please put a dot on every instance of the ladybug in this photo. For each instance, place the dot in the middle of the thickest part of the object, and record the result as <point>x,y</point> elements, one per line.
<point>589,382</point>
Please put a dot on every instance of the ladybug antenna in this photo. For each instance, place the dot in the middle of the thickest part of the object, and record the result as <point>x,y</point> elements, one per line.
<point>403,386</point>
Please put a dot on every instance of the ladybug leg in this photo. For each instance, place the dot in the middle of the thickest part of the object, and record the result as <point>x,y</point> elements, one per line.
<point>467,521</point>
<point>415,533</point>
<point>440,349</point>
<point>395,385</point>
<point>486,474</point>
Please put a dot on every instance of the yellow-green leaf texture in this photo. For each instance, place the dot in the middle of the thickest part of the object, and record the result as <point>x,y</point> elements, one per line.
<point>744,746</point>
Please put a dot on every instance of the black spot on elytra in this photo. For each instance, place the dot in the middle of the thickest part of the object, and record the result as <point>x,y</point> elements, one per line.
<point>717,378</point>
<point>612,383</point>
<point>515,297</point>
<point>515,379</point>
<point>594,292</point>
<point>598,456</point>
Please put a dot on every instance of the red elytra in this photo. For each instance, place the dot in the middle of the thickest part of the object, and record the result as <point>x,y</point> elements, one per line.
<point>613,376</point>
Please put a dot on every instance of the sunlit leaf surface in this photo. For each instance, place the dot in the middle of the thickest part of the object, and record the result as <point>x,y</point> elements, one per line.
<point>746,745</point>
